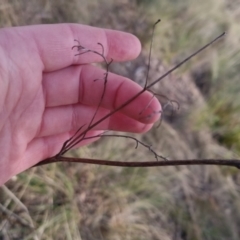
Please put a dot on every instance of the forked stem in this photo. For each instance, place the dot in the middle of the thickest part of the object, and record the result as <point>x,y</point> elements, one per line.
<point>79,137</point>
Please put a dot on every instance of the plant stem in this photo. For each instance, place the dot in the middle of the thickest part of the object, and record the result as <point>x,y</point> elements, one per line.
<point>221,162</point>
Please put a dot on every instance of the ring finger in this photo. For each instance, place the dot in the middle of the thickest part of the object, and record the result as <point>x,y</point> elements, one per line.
<point>57,120</point>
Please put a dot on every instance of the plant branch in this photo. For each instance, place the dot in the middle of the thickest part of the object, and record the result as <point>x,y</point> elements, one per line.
<point>138,142</point>
<point>79,136</point>
<point>220,162</point>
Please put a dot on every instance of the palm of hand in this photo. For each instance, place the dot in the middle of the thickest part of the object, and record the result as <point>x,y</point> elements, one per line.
<point>45,91</point>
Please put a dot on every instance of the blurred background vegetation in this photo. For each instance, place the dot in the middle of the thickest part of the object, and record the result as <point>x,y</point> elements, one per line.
<point>77,201</point>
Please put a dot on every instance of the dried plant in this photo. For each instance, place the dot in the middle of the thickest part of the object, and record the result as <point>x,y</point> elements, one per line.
<point>81,133</point>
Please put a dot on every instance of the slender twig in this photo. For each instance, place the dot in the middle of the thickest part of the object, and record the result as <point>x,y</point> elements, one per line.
<point>82,136</point>
<point>76,138</point>
<point>185,60</point>
<point>150,53</point>
<point>221,162</point>
<point>137,141</point>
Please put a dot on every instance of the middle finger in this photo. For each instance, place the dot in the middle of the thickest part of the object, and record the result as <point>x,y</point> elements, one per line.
<point>76,84</point>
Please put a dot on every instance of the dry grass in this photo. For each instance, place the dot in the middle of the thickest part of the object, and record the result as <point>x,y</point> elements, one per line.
<point>69,201</point>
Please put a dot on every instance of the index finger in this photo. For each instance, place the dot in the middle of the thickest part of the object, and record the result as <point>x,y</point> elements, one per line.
<point>54,44</point>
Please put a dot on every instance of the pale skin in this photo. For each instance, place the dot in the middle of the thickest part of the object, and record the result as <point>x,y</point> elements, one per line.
<point>47,93</point>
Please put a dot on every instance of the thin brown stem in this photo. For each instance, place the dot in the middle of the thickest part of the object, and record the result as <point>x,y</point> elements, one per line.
<point>220,162</point>
<point>150,53</point>
<point>81,136</point>
<point>185,60</point>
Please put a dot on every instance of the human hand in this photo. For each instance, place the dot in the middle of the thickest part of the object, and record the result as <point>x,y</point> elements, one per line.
<point>47,93</point>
